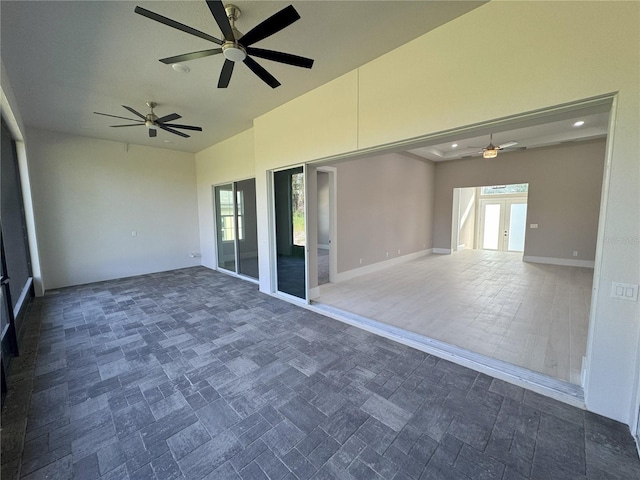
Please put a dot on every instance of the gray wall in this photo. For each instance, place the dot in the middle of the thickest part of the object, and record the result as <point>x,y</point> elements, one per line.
<point>385,204</point>
<point>564,195</point>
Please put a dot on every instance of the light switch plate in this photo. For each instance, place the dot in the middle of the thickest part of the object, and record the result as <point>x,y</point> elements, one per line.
<point>624,291</point>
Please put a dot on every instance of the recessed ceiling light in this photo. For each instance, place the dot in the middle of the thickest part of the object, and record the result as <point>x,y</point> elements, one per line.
<point>178,67</point>
<point>579,123</point>
<point>454,145</point>
<point>168,141</point>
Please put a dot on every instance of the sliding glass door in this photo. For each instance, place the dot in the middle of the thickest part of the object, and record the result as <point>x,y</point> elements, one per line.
<point>236,227</point>
<point>290,230</point>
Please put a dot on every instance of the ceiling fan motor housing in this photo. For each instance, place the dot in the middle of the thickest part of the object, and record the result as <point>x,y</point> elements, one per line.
<point>233,51</point>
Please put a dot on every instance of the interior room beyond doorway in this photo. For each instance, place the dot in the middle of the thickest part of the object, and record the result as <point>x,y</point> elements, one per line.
<point>532,315</point>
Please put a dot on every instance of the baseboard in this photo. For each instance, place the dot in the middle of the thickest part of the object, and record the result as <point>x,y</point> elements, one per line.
<point>567,262</point>
<point>376,267</point>
<point>442,251</point>
<point>322,246</point>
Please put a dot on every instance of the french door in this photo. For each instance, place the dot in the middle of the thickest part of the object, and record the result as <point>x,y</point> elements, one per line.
<point>502,224</point>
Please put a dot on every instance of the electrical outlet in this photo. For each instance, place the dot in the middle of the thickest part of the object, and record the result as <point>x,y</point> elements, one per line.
<point>387,254</point>
<point>398,251</point>
<point>360,261</point>
<point>533,225</point>
<point>575,253</point>
<point>134,233</point>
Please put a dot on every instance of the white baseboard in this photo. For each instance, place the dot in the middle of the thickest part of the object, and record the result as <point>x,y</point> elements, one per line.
<point>322,246</point>
<point>376,267</point>
<point>567,262</point>
<point>442,251</point>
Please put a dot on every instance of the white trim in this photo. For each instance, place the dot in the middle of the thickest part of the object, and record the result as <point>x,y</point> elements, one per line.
<point>23,295</point>
<point>376,267</point>
<point>534,381</point>
<point>322,246</point>
<point>567,262</point>
<point>441,251</point>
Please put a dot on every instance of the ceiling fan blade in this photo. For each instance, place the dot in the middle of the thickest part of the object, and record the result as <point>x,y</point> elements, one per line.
<point>507,145</point>
<point>281,57</point>
<point>220,16</point>
<point>225,74</point>
<point>163,127</point>
<point>135,113</point>
<point>116,116</point>
<point>177,25</point>
<point>185,127</point>
<point>265,76</point>
<point>128,125</point>
<point>153,132</point>
<point>168,118</point>
<point>271,25</point>
<point>191,56</point>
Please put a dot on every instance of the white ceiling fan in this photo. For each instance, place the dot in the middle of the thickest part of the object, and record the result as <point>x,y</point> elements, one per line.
<point>491,150</point>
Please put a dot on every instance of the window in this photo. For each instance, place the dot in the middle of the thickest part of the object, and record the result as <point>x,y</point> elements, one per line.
<point>505,189</point>
<point>226,215</point>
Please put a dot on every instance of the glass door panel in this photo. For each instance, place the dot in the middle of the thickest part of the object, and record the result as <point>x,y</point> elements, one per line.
<point>225,227</point>
<point>290,231</point>
<point>247,223</point>
<point>491,229</point>
<point>517,226</point>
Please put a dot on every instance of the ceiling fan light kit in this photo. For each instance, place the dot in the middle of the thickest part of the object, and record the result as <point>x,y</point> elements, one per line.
<point>491,150</point>
<point>490,153</point>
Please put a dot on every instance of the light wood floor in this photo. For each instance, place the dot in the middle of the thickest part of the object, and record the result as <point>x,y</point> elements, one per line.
<point>532,315</point>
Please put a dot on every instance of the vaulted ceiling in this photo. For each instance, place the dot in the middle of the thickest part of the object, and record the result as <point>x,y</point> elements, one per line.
<point>66,60</point>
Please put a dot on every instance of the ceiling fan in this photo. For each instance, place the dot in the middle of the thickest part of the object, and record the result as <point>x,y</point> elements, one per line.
<point>236,47</point>
<point>152,121</point>
<point>491,150</point>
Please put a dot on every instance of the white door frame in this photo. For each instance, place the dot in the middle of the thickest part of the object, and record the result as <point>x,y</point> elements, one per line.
<point>273,267</point>
<point>505,220</point>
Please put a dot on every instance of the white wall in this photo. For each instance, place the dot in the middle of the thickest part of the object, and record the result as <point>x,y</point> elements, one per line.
<point>558,53</point>
<point>89,195</point>
<point>225,162</point>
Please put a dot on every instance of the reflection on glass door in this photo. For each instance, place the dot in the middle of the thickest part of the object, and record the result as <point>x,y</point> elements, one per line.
<point>288,187</point>
<point>226,230</point>
<point>517,223</point>
<point>492,214</point>
<point>503,224</point>
<point>236,227</point>
<point>247,222</point>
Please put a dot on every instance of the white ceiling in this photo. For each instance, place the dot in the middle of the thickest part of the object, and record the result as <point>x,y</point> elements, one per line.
<point>541,132</point>
<point>66,60</point>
